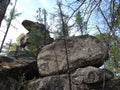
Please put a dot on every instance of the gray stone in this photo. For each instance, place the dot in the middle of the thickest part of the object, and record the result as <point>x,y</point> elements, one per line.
<point>7,83</point>
<point>21,56</point>
<point>6,59</point>
<point>61,82</point>
<point>53,83</point>
<point>82,51</point>
<point>24,40</point>
<point>28,71</point>
<point>91,75</point>
<point>114,83</point>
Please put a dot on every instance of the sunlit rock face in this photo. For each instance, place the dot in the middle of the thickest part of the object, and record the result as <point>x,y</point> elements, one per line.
<point>82,51</point>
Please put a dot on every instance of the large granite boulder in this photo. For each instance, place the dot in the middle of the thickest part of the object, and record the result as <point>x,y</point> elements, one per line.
<point>82,51</point>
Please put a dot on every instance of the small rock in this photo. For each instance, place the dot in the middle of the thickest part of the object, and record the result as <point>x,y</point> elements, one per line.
<point>6,67</point>
<point>6,59</point>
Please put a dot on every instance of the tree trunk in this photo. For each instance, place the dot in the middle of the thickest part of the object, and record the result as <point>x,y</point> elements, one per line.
<point>3,7</point>
<point>9,22</point>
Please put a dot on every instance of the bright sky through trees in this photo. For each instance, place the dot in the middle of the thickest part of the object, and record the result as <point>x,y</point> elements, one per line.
<point>28,9</point>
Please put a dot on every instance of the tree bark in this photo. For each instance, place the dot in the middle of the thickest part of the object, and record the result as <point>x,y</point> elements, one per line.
<point>3,6</point>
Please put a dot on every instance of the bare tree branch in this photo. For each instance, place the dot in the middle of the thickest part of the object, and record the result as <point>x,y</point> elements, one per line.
<point>75,10</point>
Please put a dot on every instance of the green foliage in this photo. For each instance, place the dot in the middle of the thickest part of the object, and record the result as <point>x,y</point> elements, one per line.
<point>9,47</point>
<point>13,46</point>
<point>41,16</point>
<point>79,18</point>
<point>36,38</point>
<point>19,37</point>
<point>100,36</point>
<point>112,39</point>
<point>114,52</point>
<point>115,14</point>
<point>13,14</point>
<point>80,23</point>
<point>104,37</point>
<point>38,17</point>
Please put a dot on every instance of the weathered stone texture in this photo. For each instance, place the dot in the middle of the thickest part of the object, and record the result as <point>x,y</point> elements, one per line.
<point>82,51</point>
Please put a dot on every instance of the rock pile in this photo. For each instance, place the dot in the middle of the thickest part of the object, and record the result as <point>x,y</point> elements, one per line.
<point>50,72</point>
<point>85,54</point>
